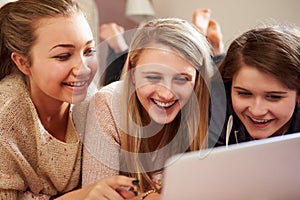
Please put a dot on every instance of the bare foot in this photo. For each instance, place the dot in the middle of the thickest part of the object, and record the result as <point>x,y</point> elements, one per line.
<point>201,19</point>
<point>215,37</point>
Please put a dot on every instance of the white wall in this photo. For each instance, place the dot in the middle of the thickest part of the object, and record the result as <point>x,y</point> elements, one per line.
<point>235,16</point>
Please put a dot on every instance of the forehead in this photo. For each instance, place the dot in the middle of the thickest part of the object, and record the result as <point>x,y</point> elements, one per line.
<point>163,58</point>
<point>248,76</point>
<point>63,28</point>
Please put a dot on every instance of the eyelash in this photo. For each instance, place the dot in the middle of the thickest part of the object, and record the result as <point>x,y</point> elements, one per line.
<point>274,97</point>
<point>63,57</point>
<point>244,93</point>
<point>153,78</point>
<point>271,97</point>
<point>177,79</point>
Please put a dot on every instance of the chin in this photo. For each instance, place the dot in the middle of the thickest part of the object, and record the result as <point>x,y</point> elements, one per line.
<point>77,99</point>
<point>162,120</point>
<point>260,135</point>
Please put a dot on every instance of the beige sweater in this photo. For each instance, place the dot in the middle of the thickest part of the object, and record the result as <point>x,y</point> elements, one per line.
<point>101,139</point>
<point>33,163</point>
<point>102,143</point>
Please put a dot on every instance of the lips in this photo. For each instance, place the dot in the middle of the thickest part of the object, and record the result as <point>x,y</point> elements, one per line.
<point>75,84</point>
<point>260,123</point>
<point>164,104</point>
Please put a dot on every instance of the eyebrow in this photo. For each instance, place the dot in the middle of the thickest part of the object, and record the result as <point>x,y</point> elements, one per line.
<point>269,92</point>
<point>186,74</point>
<point>69,45</point>
<point>158,73</point>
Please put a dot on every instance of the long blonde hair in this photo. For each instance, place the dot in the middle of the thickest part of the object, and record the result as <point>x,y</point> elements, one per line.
<point>191,125</point>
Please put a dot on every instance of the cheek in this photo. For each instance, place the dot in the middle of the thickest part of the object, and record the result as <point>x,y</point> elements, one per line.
<point>143,93</point>
<point>284,111</point>
<point>238,104</point>
<point>184,94</point>
<point>93,65</point>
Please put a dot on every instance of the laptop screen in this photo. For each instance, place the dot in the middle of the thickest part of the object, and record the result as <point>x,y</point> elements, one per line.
<point>264,169</point>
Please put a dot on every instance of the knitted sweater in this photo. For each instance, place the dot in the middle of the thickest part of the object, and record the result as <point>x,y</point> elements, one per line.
<point>102,153</point>
<point>101,147</point>
<point>33,164</point>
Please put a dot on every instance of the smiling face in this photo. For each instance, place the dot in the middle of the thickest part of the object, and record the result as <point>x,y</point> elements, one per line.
<point>63,60</point>
<point>164,82</point>
<point>263,104</point>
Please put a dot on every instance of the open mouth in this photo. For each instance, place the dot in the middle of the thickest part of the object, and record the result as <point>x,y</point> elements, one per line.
<point>164,104</point>
<point>260,121</point>
<point>75,84</point>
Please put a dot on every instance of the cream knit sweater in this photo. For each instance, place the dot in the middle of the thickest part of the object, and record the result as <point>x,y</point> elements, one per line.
<point>33,164</point>
<point>101,147</point>
<point>102,142</point>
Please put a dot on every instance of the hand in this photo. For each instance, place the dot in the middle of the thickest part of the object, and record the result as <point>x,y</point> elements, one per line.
<point>113,34</point>
<point>107,188</point>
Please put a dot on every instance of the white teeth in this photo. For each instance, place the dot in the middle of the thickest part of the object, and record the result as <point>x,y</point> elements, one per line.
<point>163,104</point>
<point>260,120</point>
<point>76,84</point>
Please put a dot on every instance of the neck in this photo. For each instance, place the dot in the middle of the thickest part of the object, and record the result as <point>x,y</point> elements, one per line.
<point>55,119</point>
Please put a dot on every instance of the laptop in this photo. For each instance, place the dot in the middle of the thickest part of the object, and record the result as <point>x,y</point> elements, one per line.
<point>267,169</point>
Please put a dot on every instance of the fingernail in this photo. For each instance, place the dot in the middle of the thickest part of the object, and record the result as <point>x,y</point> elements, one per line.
<point>135,182</point>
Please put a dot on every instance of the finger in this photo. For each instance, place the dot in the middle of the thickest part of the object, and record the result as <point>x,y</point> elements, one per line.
<point>127,194</point>
<point>103,191</point>
<point>118,181</point>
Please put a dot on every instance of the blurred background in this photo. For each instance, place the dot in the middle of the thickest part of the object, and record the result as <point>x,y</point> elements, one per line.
<point>234,16</point>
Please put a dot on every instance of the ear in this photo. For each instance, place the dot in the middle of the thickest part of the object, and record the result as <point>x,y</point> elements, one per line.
<point>21,62</point>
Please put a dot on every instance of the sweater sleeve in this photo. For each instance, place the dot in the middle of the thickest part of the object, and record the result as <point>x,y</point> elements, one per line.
<point>101,141</point>
<point>8,194</point>
<point>13,121</point>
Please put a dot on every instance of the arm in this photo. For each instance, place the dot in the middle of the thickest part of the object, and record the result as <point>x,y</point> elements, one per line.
<point>11,179</point>
<point>105,188</point>
<point>101,142</point>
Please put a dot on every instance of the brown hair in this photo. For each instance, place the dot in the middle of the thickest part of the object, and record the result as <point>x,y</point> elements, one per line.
<point>18,21</point>
<point>274,50</point>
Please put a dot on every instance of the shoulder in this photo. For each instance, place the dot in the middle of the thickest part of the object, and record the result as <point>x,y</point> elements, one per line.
<point>106,102</point>
<point>112,88</point>
<point>15,101</point>
<point>18,116</point>
<point>295,126</point>
<point>109,94</point>
<point>13,86</point>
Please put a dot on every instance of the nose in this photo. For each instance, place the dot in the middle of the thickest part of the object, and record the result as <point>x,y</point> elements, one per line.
<point>81,69</point>
<point>165,93</point>
<point>258,107</point>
